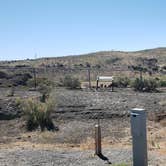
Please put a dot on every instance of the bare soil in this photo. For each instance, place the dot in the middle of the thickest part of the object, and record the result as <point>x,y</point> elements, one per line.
<point>76,115</point>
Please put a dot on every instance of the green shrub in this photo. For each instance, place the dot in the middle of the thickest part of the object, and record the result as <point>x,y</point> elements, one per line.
<point>138,84</point>
<point>145,85</point>
<point>162,83</point>
<point>121,82</point>
<point>70,82</point>
<point>38,115</point>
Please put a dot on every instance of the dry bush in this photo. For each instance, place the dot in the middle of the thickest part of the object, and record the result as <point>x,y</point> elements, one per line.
<point>38,114</point>
<point>70,82</point>
<point>156,138</point>
<point>121,82</point>
<point>145,85</point>
<point>162,83</point>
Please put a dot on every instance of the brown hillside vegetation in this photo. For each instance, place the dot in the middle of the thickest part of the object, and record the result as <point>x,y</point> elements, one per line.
<point>100,63</point>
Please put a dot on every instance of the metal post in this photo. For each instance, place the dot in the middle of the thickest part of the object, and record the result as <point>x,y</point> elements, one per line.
<point>139,138</point>
<point>97,139</point>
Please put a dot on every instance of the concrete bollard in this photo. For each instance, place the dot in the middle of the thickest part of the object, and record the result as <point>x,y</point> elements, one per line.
<point>139,138</point>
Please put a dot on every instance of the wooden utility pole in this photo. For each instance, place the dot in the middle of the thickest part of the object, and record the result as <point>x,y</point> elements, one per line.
<point>97,84</point>
<point>34,74</point>
<point>89,79</point>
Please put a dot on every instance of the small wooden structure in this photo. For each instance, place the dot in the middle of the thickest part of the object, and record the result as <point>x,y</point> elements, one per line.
<point>108,80</point>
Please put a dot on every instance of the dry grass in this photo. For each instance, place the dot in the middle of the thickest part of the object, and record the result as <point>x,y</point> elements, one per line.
<point>50,140</point>
<point>157,139</point>
<point>163,122</point>
<point>88,143</point>
<point>39,146</point>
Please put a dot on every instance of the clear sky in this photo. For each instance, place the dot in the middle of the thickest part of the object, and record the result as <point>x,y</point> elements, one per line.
<point>67,27</point>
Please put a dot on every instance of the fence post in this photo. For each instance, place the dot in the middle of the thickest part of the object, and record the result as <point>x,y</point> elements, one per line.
<point>89,78</point>
<point>97,84</point>
<point>139,138</point>
<point>97,139</point>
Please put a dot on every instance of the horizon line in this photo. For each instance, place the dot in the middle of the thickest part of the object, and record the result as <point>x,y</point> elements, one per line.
<point>82,54</point>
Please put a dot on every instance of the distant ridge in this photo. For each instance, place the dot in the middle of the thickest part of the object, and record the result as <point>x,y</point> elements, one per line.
<point>104,59</point>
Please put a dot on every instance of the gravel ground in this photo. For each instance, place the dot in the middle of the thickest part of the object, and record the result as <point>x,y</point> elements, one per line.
<point>22,157</point>
<point>76,112</point>
<point>59,158</point>
<point>77,104</point>
<point>90,105</point>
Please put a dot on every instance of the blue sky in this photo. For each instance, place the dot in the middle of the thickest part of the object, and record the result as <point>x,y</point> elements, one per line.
<point>69,27</point>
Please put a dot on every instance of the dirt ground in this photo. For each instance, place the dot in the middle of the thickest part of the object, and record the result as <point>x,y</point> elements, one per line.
<point>76,115</point>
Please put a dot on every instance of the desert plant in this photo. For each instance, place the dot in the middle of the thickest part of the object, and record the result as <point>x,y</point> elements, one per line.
<point>121,82</point>
<point>145,85</point>
<point>162,83</point>
<point>70,82</point>
<point>150,85</point>
<point>38,115</point>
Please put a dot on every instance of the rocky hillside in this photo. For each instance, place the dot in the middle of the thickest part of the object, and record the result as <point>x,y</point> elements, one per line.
<point>104,62</point>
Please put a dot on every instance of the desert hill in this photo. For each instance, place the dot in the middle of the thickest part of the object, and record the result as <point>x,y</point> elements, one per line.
<point>103,62</point>
<point>77,110</point>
